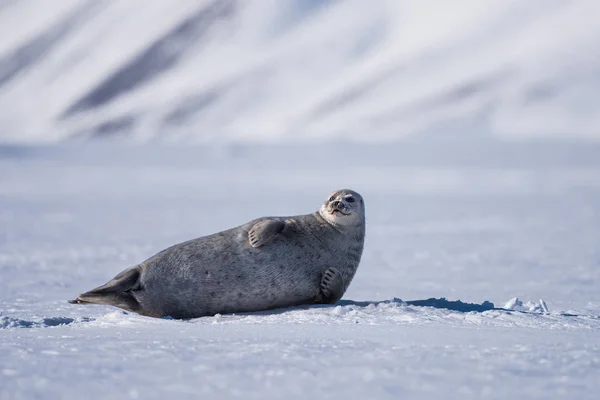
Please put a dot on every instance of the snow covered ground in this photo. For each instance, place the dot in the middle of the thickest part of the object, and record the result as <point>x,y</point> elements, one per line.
<point>473,221</point>
<point>298,68</point>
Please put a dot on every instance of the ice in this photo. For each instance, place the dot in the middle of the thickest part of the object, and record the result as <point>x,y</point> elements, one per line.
<point>543,305</point>
<point>516,304</point>
<point>513,303</point>
<point>453,231</point>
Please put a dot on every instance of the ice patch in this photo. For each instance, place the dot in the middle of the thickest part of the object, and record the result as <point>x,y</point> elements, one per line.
<point>9,322</point>
<point>517,305</point>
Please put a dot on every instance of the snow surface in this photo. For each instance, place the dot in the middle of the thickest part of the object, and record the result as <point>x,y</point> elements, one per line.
<point>472,221</point>
<point>298,69</point>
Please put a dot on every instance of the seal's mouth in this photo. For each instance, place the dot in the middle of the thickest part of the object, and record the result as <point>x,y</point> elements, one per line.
<point>338,209</point>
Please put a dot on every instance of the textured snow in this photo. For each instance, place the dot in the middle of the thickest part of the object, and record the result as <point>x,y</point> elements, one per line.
<point>298,69</point>
<point>511,224</point>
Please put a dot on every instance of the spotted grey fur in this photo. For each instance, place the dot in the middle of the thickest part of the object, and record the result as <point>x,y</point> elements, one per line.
<point>267,263</point>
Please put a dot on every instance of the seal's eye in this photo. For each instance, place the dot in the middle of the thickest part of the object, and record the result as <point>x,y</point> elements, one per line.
<point>350,199</point>
<point>332,198</point>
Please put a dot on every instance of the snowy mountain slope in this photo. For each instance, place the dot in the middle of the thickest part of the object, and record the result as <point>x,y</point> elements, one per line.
<point>296,69</point>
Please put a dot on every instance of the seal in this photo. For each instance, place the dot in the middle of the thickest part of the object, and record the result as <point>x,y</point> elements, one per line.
<point>267,263</point>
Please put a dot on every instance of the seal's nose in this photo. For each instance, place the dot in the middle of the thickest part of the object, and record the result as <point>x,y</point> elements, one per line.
<point>336,204</point>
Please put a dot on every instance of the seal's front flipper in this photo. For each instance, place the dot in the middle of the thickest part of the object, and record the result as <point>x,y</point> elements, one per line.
<point>263,231</point>
<point>332,286</point>
<point>117,292</point>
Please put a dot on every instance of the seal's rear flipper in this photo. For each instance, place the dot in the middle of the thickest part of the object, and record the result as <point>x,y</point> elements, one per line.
<point>117,292</point>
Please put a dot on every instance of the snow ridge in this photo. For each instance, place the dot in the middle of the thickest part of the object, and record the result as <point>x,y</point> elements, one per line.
<point>394,311</point>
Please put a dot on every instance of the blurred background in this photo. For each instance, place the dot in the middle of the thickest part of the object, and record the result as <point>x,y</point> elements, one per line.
<point>296,70</point>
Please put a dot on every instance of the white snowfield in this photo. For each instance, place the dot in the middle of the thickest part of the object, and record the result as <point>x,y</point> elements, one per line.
<point>471,221</point>
<point>298,69</point>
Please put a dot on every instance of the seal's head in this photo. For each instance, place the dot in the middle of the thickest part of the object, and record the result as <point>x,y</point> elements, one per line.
<point>344,208</point>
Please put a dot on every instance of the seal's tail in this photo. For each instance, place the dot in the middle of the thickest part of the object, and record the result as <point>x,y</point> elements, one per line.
<point>119,292</point>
